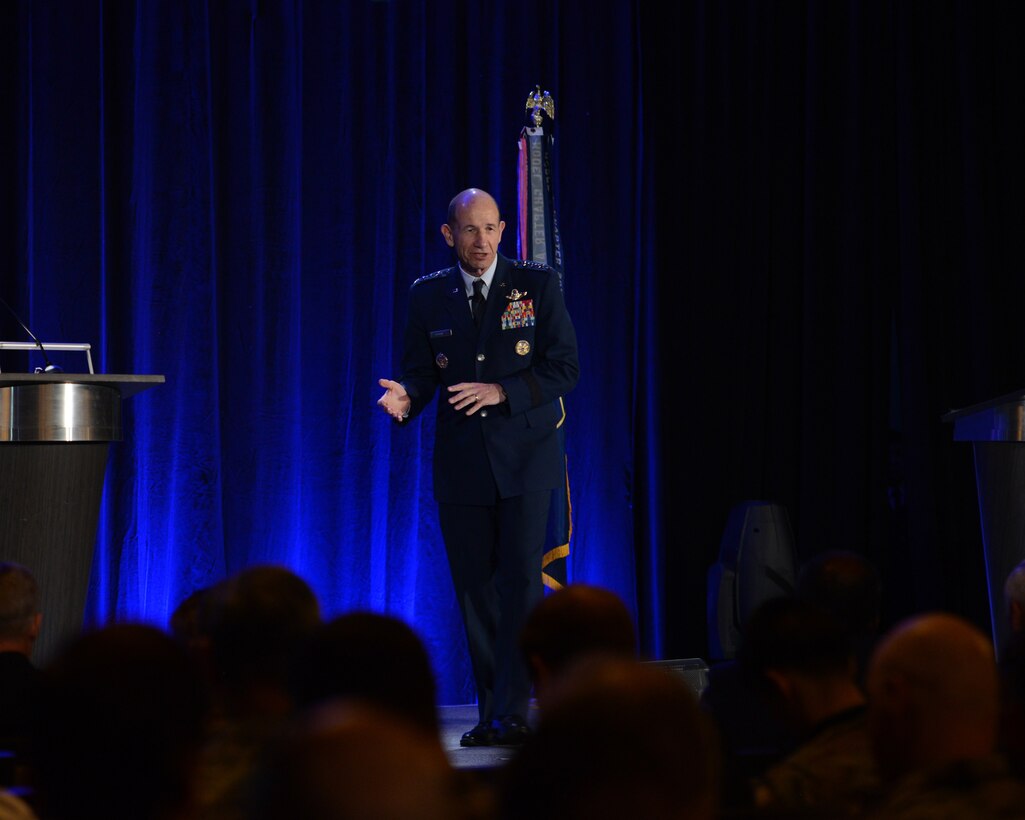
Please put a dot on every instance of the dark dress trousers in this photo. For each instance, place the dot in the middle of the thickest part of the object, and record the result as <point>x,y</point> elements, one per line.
<point>494,470</point>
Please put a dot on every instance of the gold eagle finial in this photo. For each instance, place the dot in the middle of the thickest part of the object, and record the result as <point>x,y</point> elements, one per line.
<point>538,103</point>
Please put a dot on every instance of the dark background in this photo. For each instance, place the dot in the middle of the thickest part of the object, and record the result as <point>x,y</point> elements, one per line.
<point>792,236</point>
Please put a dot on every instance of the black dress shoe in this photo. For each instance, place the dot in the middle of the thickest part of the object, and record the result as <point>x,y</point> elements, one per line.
<point>480,735</point>
<point>511,730</point>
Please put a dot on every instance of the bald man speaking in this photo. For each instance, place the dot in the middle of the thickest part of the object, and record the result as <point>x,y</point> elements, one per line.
<point>495,336</point>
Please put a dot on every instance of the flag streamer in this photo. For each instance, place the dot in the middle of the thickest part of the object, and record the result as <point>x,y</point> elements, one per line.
<point>538,240</point>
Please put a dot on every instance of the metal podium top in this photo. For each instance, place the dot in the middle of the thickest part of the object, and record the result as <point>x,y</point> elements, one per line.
<point>126,385</point>
<point>1000,419</point>
<point>65,407</point>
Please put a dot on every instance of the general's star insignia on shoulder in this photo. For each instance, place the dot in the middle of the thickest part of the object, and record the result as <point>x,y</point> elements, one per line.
<point>429,276</point>
<point>530,264</point>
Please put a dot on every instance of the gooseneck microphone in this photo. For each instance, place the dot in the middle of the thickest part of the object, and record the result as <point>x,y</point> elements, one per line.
<point>50,366</point>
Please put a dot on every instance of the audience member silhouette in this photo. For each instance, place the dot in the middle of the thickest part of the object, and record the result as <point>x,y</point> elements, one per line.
<point>617,739</point>
<point>20,621</point>
<point>379,661</point>
<point>351,760</point>
<point>121,723</point>
<point>934,703</point>
<point>189,625</point>
<point>752,736</point>
<point>371,657</point>
<point>842,583</point>
<point>1011,666</point>
<point>846,585</point>
<point>1014,598</point>
<point>803,659</point>
<point>574,622</point>
<point>256,620</point>
<point>14,807</point>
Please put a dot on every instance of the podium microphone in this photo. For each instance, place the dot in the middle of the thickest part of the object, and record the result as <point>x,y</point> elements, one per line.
<point>50,366</point>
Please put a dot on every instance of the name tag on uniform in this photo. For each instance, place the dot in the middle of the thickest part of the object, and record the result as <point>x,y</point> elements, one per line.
<point>441,334</point>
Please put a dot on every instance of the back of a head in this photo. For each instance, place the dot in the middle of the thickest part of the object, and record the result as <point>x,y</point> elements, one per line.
<point>576,621</point>
<point>19,601</point>
<point>846,585</point>
<point>372,657</point>
<point>949,661</point>
<point>934,692</point>
<point>186,621</point>
<point>122,718</point>
<point>256,619</point>
<point>618,739</point>
<point>1014,587</point>
<point>352,761</point>
<point>796,636</point>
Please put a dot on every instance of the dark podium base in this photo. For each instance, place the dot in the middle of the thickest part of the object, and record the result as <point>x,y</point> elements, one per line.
<point>1000,478</point>
<point>49,509</point>
<point>55,432</point>
<point>996,430</point>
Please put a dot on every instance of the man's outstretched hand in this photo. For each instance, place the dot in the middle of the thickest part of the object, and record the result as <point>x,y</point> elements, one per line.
<point>395,400</point>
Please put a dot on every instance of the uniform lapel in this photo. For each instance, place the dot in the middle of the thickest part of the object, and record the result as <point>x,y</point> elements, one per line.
<point>458,303</point>
<point>501,284</point>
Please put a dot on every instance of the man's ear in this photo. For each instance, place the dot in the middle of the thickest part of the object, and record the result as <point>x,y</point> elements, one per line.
<point>780,683</point>
<point>37,622</point>
<point>450,239</point>
<point>1014,616</point>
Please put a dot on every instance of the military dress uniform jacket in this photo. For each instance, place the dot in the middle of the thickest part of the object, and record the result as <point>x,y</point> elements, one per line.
<point>526,343</point>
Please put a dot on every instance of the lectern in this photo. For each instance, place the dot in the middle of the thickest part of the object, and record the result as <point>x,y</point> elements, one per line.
<point>55,433</point>
<point>996,429</point>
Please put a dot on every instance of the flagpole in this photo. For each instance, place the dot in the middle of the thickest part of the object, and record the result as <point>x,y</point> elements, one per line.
<point>538,240</point>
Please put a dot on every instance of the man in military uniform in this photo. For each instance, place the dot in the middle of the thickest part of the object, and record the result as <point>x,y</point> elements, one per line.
<point>495,335</point>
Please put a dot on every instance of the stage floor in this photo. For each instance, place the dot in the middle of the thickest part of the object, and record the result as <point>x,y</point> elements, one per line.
<point>454,721</point>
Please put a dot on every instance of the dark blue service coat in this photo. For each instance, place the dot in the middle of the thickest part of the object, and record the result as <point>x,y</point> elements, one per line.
<point>527,344</point>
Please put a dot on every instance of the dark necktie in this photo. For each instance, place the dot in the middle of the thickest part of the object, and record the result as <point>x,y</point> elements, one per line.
<point>477,301</point>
